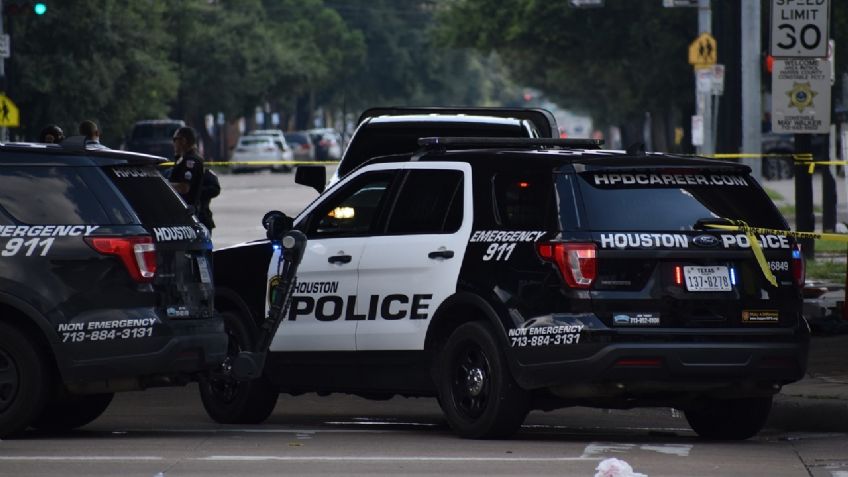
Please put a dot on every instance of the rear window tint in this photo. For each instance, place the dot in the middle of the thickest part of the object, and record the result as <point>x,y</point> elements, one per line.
<point>382,141</point>
<point>254,142</point>
<point>49,195</point>
<point>660,200</point>
<point>524,200</point>
<point>153,199</point>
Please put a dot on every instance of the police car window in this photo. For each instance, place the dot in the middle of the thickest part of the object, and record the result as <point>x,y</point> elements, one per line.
<point>155,202</point>
<point>49,195</point>
<point>524,200</point>
<point>354,210</point>
<point>429,202</point>
<point>673,201</point>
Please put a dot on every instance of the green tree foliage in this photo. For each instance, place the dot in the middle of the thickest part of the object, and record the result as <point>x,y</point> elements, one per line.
<point>614,62</point>
<point>104,60</point>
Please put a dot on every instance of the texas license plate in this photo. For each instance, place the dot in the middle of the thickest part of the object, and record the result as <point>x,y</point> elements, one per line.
<point>705,279</point>
<point>203,268</point>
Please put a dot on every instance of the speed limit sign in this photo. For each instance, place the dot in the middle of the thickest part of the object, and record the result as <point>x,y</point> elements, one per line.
<point>799,28</point>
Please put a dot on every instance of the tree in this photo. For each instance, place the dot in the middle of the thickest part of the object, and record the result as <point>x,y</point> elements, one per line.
<point>616,62</point>
<point>103,60</point>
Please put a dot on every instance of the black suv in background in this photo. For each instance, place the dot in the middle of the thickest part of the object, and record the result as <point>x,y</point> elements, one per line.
<point>153,136</point>
<point>506,274</point>
<point>105,284</point>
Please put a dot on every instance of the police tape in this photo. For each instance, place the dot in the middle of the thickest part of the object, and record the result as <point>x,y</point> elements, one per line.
<point>798,157</point>
<point>262,163</point>
<point>812,167</point>
<point>741,226</point>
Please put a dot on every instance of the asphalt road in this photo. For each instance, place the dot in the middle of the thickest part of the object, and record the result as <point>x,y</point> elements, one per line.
<point>165,432</point>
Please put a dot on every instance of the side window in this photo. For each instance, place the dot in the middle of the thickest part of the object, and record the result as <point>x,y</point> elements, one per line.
<point>524,200</point>
<point>354,210</point>
<point>49,195</point>
<point>429,202</point>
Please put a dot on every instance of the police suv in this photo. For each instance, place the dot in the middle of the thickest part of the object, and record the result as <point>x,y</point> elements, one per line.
<point>505,275</point>
<point>105,284</point>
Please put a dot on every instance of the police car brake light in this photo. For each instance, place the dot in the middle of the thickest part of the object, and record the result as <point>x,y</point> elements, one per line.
<point>138,254</point>
<point>577,262</point>
<point>799,266</point>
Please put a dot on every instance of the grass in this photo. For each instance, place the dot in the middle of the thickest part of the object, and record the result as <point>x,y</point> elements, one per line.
<point>773,194</point>
<point>788,210</point>
<point>831,246</point>
<point>826,270</point>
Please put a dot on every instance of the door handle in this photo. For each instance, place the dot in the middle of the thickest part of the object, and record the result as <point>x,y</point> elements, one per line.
<point>339,259</point>
<point>441,254</point>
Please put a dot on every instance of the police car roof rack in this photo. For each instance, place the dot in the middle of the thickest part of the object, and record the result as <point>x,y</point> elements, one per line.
<point>507,142</point>
<point>73,144</point>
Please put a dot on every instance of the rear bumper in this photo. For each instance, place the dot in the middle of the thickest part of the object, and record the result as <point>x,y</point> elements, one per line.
<point>679,360</point>
<point>176,351</point>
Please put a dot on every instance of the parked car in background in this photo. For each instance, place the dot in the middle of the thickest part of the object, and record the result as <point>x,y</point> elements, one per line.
<point>280,141</point>
<point>153,136</point>
<point>301,142</point>
<point>328,144</point>
<point>259,152</point>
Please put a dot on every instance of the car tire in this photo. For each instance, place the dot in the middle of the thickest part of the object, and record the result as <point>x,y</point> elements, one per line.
<point>477,393</point>
<point>228,400</point>
<point>24,380</point>
<point>69,412</point>
<point>729,419</point>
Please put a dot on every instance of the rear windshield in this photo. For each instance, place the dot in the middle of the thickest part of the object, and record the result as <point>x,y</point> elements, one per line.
<point>298,138</point>
<point>154,132</point>
<point>155,202</point>
<point>671,200</point>
<point>42,195</point>
<point>383,141</point>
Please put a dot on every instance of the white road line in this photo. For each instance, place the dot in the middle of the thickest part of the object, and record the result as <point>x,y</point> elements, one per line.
<point>80,458</point>
<point>326,458</point>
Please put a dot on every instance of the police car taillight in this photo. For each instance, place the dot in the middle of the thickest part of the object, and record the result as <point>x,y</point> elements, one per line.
<point>577,262</point>
<point>799,266</point>
<point>138,254</point>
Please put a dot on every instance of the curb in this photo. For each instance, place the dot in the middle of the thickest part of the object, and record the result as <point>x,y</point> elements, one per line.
<point>817,414</point>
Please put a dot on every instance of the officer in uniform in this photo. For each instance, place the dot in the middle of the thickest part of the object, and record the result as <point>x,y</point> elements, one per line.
<point>187,175</point>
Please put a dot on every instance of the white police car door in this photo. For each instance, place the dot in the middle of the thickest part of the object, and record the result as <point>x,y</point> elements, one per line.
<point>322,312</point>
<point>412,266</point>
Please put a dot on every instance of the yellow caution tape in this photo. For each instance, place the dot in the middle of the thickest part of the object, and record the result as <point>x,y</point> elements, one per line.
<point>812,168</point>
<point>801,157</point>
<point>741,226</point>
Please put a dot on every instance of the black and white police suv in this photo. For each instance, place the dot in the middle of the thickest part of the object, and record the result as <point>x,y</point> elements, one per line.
<point>504,275</point>
<point>105,284</point>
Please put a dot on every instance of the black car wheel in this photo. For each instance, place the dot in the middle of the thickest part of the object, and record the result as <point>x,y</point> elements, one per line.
<point>729,419</point>
<point>70,412</point>
<point>228,400</point>
<point>476,391</point>
<point>23,380</point>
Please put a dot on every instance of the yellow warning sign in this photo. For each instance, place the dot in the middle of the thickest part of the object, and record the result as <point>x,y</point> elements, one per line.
<point>703,52</point>
<point>9,116</point>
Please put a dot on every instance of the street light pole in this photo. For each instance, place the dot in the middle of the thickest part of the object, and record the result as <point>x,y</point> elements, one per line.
<point>704,99</point>
<point>751,82</point>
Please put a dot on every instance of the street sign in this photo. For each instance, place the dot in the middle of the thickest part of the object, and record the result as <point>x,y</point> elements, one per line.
<point>703,52</point>
<point>5,46</point>
<point>704,80</point>
<point>799,28</point>
<point>718,80</point>
<point>697,130</point>
<point>9,116</point>
<point>800,100</point>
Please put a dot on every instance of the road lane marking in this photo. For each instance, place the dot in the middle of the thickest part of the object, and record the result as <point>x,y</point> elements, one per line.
<point>597,448</point>
<point>327,458</point>
<point>80,458</point>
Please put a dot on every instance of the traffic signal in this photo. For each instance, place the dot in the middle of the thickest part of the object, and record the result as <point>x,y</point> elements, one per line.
<point>23,7</point>
<point>40,8</point>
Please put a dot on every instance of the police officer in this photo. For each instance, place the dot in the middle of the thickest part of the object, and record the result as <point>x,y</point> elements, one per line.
<point>51,134</point>
<point>187,175</point>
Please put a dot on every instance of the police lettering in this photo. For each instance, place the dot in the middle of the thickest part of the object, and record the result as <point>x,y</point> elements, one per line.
<point>334,307</point>
<point>644,240</point>
<point>167,234</point>
<point>47,230</point>
<point>669,179</point>
<point>766,241</point>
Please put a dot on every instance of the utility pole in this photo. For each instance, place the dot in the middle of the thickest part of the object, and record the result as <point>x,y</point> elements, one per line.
<point>704,100</point>
<point>752,136</point>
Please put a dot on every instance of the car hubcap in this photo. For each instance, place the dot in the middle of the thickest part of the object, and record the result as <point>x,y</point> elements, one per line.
<point>471,386</point>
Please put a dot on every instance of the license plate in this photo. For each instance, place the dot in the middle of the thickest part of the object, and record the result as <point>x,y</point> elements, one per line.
<point>705,279</point>
<point>203,268</point>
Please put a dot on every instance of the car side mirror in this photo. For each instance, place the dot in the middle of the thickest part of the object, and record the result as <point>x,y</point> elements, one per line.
<point>276,225</point>
<point>312,176</point>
